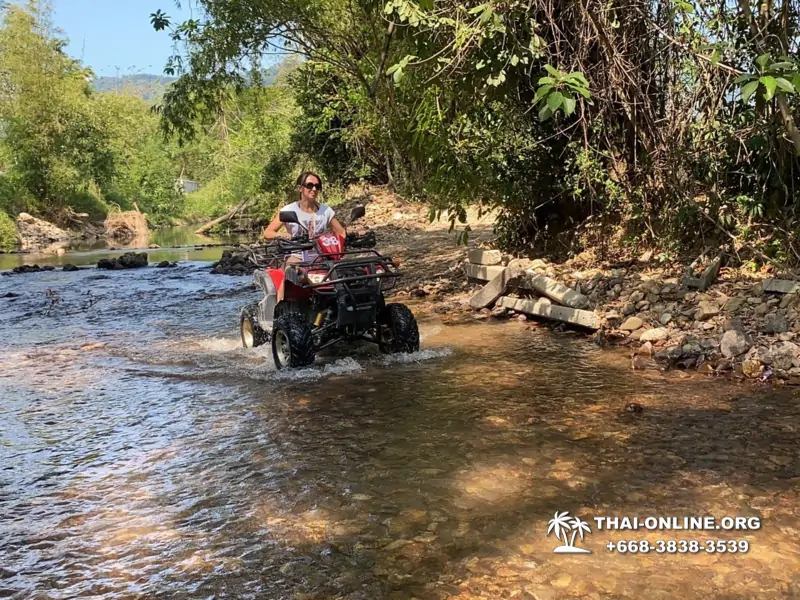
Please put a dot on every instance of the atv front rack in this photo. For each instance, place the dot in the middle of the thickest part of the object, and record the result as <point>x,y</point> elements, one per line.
<point>339,272</point>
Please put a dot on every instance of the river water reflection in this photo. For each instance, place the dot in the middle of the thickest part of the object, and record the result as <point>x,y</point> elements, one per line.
<point>144,454</point>
<point>174,243</point>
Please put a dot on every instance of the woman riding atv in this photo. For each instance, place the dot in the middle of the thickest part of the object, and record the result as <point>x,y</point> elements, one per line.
<point>315,217</point>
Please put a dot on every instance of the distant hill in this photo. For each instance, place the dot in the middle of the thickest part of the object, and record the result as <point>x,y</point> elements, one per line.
<point>147,87</point>
<point>150,87</point>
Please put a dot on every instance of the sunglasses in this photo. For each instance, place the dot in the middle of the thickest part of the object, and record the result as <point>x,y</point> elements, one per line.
<point>313,186</point>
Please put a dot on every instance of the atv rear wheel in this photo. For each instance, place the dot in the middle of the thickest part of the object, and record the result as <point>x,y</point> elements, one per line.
<point>250,330</point>
<point>398,330</point>
<point>292,341</point>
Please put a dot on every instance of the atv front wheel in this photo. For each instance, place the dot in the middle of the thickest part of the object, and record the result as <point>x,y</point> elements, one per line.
<point>251,332</point>
<point>292,341</point>
<point>398,330</point>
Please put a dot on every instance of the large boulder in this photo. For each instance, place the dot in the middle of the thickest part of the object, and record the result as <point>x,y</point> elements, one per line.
<point>734,342</point>
<point>35,233</point>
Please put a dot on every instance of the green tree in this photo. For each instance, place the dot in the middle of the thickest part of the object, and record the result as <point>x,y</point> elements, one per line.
<point>59,147</point>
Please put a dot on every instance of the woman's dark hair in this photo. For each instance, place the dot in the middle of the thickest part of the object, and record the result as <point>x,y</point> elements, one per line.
<point>305,175</point>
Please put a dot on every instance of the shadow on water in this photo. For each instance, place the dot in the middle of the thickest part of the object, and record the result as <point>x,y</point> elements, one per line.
<point>172,463</point>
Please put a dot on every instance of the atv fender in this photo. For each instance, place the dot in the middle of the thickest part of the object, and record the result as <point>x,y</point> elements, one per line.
<point>266,307</point>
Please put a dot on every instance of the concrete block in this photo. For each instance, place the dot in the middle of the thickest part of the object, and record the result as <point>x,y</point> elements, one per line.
<point>538,308</point>
<point>482,272</point>
<point>780,286</point>
<point>489,293</point>
<point>706,278</point>
<point>554,290</point>
<point>485,257</point>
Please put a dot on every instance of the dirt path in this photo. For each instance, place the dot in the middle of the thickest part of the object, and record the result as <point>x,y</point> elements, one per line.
<point>429,254</point>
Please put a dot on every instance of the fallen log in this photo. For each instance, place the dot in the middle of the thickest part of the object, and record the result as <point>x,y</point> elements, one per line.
<point>489,293</point>
<point>543,308</point>
<point>223,218</point>
<point>554,290</point>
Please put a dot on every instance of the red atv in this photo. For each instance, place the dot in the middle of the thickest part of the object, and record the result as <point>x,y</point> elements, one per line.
<point>337,297</point>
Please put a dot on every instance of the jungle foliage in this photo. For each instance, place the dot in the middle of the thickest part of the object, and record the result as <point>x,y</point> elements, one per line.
<point>668,123</point>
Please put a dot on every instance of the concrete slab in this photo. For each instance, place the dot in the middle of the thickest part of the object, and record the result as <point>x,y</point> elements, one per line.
<point>554,290</point>
<point>485,257</point>
<point>482,272</point>
<point>539,308</point>
<point>780,286</point>
<point>487,295</point>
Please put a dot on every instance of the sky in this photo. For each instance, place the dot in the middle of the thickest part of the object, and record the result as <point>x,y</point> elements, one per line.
<point>115,37</point>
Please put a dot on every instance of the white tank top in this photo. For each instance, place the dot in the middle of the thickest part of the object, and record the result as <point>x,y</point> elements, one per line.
<point>316,224</point>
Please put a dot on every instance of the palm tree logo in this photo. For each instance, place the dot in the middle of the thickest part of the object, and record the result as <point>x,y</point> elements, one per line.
<point>563,524</point>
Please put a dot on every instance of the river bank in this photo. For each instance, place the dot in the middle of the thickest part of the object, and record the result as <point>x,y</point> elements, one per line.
<point>738,327</point>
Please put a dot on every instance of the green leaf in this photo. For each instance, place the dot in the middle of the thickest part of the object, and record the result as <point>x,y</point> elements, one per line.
<point>398,75</point>
<point>715,57</point>
<point>545,113</point>
<point>762,60</point>
<point>514,60</point>
<point>796,80</point>
<point>582,91</point>
<point>781,65</point>
<point>486,15</point>
<point>542,92</point>
<point>389,8</point>
<point>748,90</point>
<point>475,10</point>
<point>554,100</point>
<point>546,80</point>
<point>785,85</point>
<point>744,77</point>
<point>426,4</point>
<point>569,105</point>
<point>552,70</point>
<point>770,83</point>
<point>578,76</point>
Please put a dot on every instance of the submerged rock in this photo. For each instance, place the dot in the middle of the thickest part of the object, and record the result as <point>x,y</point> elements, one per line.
<point>239,262</point>
<point>129,260</point>
<point>31,269</point>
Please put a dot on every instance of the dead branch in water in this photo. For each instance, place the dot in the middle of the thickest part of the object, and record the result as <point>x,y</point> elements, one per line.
<point>242,205</point>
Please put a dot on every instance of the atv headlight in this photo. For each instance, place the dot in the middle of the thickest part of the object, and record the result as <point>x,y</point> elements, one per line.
<point>316,277</point>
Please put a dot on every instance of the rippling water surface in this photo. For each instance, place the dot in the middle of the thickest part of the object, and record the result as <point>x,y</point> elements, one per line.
<point>144,454</point>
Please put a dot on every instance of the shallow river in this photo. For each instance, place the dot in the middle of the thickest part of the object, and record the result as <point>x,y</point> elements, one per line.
<point>174,243</point>
<point>144,454</point>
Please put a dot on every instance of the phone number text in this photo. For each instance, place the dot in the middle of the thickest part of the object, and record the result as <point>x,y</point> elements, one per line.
<point>679,546</point>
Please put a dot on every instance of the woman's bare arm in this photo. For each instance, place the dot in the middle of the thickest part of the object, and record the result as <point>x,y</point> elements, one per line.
<point>273,229</point>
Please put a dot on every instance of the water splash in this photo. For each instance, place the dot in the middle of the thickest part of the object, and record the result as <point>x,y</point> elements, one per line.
<point>417,357</point>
